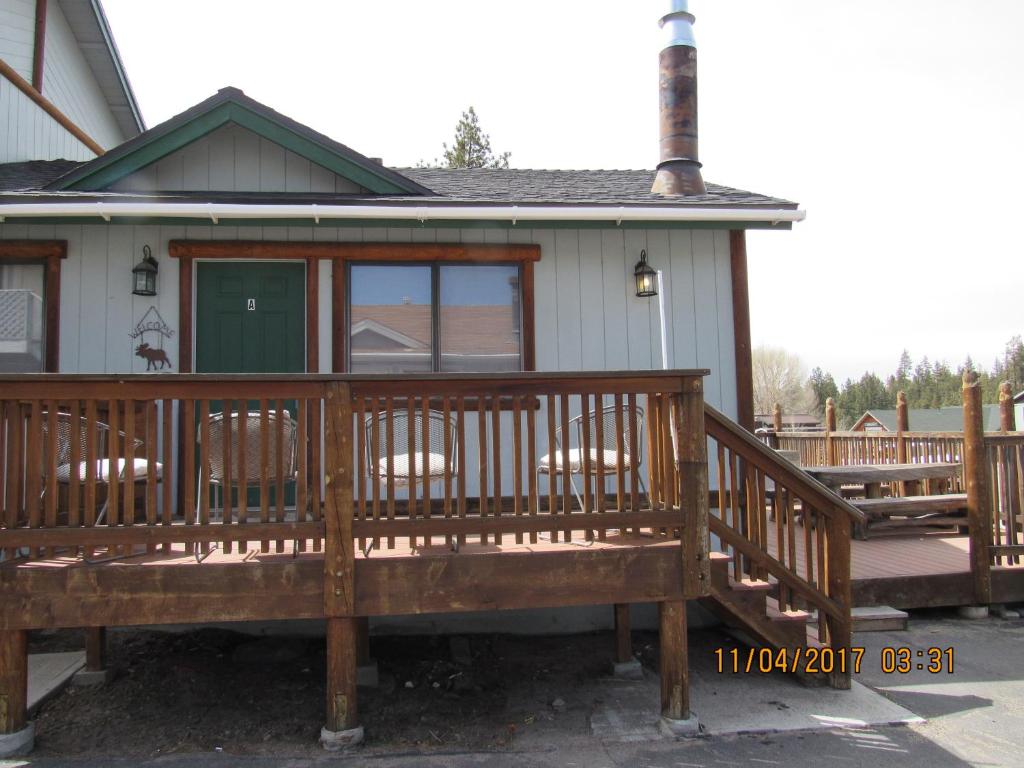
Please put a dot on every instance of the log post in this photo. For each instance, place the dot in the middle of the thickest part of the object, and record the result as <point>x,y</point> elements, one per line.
<point>776,424</point>
<point>342,729</point>
<point>1006,415</point>
<point>979,508</point>
<point>675,672</point>
<point>17,735</point>
<point>95,671</point>
<point>623,638</point>
<point>902,425</point>
<point>830,427</point>
<point>691,469</point>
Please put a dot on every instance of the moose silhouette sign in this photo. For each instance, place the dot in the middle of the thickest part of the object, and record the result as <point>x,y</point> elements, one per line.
<point>149,331</point>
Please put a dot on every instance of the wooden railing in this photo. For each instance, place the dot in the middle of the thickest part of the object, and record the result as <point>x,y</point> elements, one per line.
<point>522,456</point>
<point>782,526</point>
<point>1004,461</point>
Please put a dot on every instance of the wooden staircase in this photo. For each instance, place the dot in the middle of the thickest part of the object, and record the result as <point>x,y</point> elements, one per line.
<point>762,583</point>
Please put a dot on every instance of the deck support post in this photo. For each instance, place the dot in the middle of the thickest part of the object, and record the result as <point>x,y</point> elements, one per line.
<point>979,507</point>
<point>625,665</point>
<point>95,671</point>
<point>17,735</point>
<point>342,729</point>
<point>369,675</point>
<point>840,630</point>
<point>676,717</point>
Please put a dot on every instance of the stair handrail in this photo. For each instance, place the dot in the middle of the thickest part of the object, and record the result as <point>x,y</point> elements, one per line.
<point>773,464</point>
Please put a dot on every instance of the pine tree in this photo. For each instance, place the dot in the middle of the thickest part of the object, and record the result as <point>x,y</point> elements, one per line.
<point>472,147</point>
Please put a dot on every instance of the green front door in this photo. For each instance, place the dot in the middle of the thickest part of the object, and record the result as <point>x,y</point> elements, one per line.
<point>250,317</point>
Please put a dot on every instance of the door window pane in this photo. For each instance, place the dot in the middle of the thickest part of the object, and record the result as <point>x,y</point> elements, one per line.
<point>480,318</point>
<point>22,329</point>
<point>391,330</point>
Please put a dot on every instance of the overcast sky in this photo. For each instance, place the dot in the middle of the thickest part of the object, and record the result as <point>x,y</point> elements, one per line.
<point>897,124</point>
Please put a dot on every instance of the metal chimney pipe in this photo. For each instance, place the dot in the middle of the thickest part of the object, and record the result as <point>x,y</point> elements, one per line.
<point>678,169</point>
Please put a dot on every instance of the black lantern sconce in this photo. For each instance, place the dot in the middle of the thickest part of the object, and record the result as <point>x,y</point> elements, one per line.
<point>144,274</point>
<point>646,277</point>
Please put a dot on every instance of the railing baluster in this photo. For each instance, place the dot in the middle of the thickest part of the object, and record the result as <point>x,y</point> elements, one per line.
<point>113,471</point>
<point>599,485</point>
<point>167,470</point>
<point>585,465</point>
<point>739,522</point>
<point>634,457</point>
<point>496,461</point>
<point>265,469</point>
<point>14,467</point>
<point>359,479</point>
<point>33,462</point>
<point>315,482</point>
<point>552,453</point>
<point>425,450</point>
<point>517,461</point>
<point>533,503</point>
<point>49,468</point>
<point>446,416</point>
<point>279,466</point>
<point>620,458</point>
<point>375,412</point>
<point>129,464</point>
<point>410,430</point>
<point>205,462</point>
<point>243,462</point>
<point>460,440</point>
<point>566,464</point>
<point>226,504</point>
<point>481,429</point>
<point>152,443</point>
<point>303,455</point>
<point>75,463</point>
<point>389,448</point>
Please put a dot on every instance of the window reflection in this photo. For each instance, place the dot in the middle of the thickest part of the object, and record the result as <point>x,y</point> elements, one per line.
<point>479,318</point>
<point>390,319</point>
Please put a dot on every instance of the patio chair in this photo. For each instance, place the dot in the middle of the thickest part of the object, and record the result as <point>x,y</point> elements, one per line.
<point>64,470</point>
<point>436,460</point>
<point>606,454</point>
<point>215,474</point>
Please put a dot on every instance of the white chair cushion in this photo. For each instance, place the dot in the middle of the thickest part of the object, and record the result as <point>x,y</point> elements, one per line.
<point>140,466</point>
<point>609,460</point>
<point>400,466</point>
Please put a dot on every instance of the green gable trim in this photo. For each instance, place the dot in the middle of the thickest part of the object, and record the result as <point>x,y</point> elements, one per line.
<point>98,175</point>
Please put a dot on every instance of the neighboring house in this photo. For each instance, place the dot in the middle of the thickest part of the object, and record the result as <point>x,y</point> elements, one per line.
<point>791,422</point>
<point>947,419</point>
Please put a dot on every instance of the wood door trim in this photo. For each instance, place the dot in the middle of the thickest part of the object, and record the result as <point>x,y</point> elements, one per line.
<point>49,253</point>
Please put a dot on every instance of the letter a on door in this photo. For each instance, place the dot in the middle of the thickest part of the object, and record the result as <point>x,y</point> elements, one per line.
<point>251,305</point>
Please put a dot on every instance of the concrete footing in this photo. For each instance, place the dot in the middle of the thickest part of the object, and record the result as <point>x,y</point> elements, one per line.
<point>88,678</point>
<point>18,743</point>
<point>367,675</point>
<point>628,670</point>
<point>680,728</point>
<point>337,741</point>
<point>973,611</point>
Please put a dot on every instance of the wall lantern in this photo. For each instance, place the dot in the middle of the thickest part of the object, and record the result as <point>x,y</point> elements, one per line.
<point>144,274</point>
<point>646,277</point>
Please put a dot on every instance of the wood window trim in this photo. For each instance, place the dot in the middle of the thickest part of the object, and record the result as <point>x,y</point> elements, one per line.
<point>49,253</point>
<point>469,253</point>
<point>482,253</point>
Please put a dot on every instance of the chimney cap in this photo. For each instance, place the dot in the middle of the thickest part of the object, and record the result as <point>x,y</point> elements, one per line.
<point>677,25</point>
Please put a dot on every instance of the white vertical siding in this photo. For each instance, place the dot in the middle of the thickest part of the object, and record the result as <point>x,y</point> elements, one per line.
<point>587,316</point>
<point>17,33</point>
<point>70,84</point>
<point>28,133</point>
<point>234,159</point>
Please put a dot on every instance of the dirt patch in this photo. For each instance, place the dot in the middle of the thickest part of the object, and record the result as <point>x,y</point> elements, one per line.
<point>211,689</point>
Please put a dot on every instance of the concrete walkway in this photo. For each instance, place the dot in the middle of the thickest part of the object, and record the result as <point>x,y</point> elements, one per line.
<point>48,673</point>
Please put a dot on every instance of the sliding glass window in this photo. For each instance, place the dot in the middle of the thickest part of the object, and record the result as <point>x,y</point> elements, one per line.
<point>414,318</point>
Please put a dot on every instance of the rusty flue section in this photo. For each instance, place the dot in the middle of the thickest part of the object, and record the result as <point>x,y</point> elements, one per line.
<point>678,166</point>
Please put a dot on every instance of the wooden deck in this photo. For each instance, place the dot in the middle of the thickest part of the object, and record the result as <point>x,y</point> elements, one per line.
<point>918,571</point>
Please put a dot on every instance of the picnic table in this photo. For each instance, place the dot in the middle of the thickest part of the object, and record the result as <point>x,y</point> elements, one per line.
<point>912,508</point>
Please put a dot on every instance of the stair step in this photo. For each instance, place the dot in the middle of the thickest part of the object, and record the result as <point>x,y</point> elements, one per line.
<point>775,613</point>
<point>874,618</point>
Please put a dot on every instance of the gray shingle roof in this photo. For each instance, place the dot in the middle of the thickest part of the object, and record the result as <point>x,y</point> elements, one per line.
<point>949,418</point>
<point>33,174</point>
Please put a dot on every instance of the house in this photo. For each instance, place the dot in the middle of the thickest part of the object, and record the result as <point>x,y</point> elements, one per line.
<point>947,419</point>
<point>791,422</point>
<point>388,360</point>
